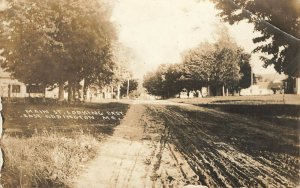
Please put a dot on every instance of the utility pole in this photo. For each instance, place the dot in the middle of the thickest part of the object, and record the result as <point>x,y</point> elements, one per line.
<point>9,93</point>
<point>208,88</point>
<point>118,91</point>
<point>127,88</point>
<point>252,77</point>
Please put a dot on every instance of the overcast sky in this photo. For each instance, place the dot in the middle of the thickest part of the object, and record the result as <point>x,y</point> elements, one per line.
<point>159,31</point>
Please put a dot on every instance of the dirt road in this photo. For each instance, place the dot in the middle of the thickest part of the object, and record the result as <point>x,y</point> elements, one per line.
<point>173,145</point>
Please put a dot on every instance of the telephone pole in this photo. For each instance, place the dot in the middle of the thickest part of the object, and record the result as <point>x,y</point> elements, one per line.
<point>127,88</point>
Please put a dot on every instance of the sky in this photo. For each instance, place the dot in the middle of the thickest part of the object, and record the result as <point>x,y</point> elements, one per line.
<point>2,5</point>
<point>155,32</point>
<point>159,31</point>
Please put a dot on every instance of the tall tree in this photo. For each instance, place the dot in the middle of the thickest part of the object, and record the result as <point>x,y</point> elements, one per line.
<point>215,64</point>
<point>56,41</point>
<point>245,71</point>
<point>197,66</point>
<point>122,56</point>
<point>173,79</point>
<point>165,81</point>
<point>279,23</point>
<point>219,64</point>
<point>154,81</point>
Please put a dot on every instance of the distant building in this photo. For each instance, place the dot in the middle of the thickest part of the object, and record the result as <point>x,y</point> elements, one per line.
<point>293,68</point>
<point>17,89</point>
<point>184,94</point>
<point>255,90</point>
<point>292,85</point>
<point>266,84</point>
<point>11,86</point>
<point>95,93</point>
<point>296,85</point>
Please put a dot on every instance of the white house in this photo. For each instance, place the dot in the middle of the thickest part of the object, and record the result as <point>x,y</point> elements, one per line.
<point>296,85</point>
<point>17,89</point>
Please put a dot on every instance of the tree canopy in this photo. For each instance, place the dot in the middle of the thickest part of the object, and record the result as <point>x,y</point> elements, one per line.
<point>57,41</point>
<point>133,85</point>
<point>279,23</point>
<point>217,64</point>
<point>165,81</point>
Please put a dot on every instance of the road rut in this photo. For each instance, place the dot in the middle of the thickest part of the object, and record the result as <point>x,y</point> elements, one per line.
<point>137,155</point>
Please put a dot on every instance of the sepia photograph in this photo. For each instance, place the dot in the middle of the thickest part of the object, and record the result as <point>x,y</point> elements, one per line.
<point>149,93</point>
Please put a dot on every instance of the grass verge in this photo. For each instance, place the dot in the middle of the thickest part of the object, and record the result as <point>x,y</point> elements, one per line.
<point>46,159</point>
<point>47,152</point>
<point>263,99</point>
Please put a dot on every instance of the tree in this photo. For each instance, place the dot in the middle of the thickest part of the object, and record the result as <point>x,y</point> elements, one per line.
<point>215,64</point>
<point>121,56</point>
<point>56,41</point>
<point>133,85</point>
<point>279,23</point>
<point>197,66</point>
<point>173,80</point>
<point>165,81</point>
<point>154,81</point>
<point>245,71</point>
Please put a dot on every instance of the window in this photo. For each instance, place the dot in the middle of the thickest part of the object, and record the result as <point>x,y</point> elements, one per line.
<point>16,89</point>
<point>34,89</point>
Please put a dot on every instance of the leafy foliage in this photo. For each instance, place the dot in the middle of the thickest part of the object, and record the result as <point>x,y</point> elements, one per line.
<point>245,71</point>
<point>54,41</point>
<point>279,23</point>
<point>133,85</point>
<point>217,64</point>
<point>165,82</point>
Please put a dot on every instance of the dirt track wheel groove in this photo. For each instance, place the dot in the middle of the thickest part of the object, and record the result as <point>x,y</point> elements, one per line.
<point>214,172</point>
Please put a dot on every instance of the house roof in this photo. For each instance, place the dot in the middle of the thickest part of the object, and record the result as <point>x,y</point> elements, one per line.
<point>271,77</point>
<point>4,74</point>
<point>267,80</point>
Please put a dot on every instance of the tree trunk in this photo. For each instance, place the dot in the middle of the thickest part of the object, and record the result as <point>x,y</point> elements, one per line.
<point>223,90</point>
<point>79,93</point>
<point>118,91</point>
<point>28,90</point>
<point>70,95</point>
<point>208,90</point>
<point>74,89</point>
<point>61,92</point>
<point>9,93</point>
<point>227,92</point>
<point>85,88</point>
<point>128,88</point>
<point>44,94</point>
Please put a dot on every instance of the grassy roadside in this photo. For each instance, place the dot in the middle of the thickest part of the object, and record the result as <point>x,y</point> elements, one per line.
<point>265,99</point>
<point>46,159</point>
<point>16,125</point>
<point>51,152</point>
<point>280,109</point>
